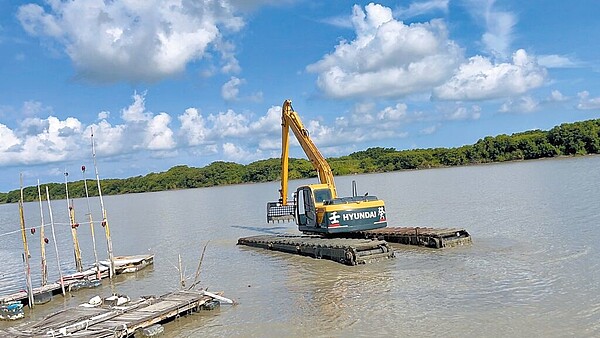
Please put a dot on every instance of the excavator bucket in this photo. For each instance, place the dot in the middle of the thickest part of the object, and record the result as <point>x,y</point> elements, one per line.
<point>278,212</point>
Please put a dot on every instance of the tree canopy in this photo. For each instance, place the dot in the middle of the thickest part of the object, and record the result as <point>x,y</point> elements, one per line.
<point>578,138</point>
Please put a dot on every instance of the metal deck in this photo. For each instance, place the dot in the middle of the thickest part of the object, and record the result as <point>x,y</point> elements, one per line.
<point>342,250</point>
<point>425,237</point>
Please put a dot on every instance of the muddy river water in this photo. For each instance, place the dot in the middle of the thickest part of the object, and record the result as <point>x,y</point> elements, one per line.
<point>533,268</point>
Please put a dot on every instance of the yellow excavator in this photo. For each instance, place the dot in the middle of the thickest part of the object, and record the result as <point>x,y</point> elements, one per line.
<point>316,208</point>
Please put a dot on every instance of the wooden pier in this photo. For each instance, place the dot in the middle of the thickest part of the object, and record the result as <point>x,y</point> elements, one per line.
<point>123,264</point>
<point>117,320</point>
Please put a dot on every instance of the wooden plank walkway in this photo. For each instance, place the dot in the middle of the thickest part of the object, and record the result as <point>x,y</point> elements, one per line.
<point>123,264</point>
<point>114,321</point>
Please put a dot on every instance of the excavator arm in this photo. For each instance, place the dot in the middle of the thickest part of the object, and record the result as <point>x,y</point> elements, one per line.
<point>291,120</point>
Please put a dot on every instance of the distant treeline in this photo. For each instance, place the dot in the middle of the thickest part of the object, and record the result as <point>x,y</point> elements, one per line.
<point>577,138</point>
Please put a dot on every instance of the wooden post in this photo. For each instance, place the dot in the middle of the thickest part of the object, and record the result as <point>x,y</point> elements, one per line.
<point>62,280</point>
<point>74,225</point>
<point>25,247</point>
<point>42,238</point>
<point>87,198</point>
<point>181,277</point>
<point>111,259</point>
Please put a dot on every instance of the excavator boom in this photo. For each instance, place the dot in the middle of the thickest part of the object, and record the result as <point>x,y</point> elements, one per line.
<point>291,120</point>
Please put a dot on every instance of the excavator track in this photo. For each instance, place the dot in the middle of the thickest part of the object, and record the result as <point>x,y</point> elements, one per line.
<point>349,251</point>
<point>425,237</point>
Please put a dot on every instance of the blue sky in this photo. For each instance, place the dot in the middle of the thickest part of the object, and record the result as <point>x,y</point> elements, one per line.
<point>164,83</point>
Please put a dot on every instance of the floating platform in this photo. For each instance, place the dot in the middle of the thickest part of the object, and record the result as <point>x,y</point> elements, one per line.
<point>129,264</point>
<point>342,250</point>
<point>425,237</point>
<point>125,320</point>
<point>73,282</point>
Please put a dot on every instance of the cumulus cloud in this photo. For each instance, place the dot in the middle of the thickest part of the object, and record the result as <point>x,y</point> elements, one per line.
<point>586,102</point>
<point>46,140</point>
<point>110,41</point>
<point>237,153</point>
<point>40,140</point>
<point>229,124</point>
<point>525,104</point>
<point>136,112</point>
<point>462,113</point>
<point>193,126</point>
<point>158,134</point>
<point>110,140</point>
<point>395,113</point>
<point>9,139</point>
<point>230,89</point>
<point>557,96</point>
<point>480,79</point>
<point>269,123</point>
<point>387,58</point>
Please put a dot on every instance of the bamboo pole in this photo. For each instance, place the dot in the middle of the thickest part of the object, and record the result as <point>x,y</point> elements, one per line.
<point>74,225</point>
<point>111,259</point>
<point>87,198</point>
<point>42,238</point>
<point>181,276</point>
<point>62,280</point>
<point>25,247</point>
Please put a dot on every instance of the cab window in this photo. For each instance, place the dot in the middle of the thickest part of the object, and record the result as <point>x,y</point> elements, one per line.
<point>322,195</point>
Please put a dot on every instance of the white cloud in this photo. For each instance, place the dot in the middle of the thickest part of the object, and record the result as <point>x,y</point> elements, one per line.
<point>34,108</point>
<point>193,126</point>
<point>498,36</point>
<point>387,57</point>
<point>557,96</point>
<point>39,141</point>
<point>270,123</point>
<point>338,21</point>
<point>229,124</point>
<point>418,8</point>
<point>461,113</point>
<point>158,134</point>
<point>557,61</point>
<point>393,113</point>
<point>136,112</point>
<point>110,41</point>
<point>238,154</point>
<point>9,139</point>
<point>430,130</point>
<point>586,103</point>
<point>233,152</point>
<point>230,89</point>
<point>525,104</point>
<point>109,139</point>
<point>103,115</point>
<point>479,79</point>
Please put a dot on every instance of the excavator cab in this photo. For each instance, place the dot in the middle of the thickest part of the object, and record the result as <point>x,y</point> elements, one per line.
<point>317,212</point>
<point>308,199</point>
